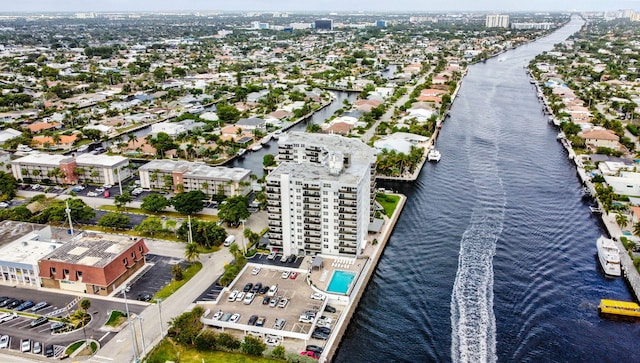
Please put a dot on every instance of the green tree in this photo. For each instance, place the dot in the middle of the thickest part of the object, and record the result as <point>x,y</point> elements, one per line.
<point>206,234</point>
<point>123,199</point>
<point>8,186</point>
<point>176,271</point>
<point>278,352</point>
<point>189,202</point>
<point>234,210</point>
<point>227,113</point>
<point>162,142</point>
<point>228,341</point>
<point>191,252</point>
<point>268,160</point>
<point>185,327</point>
<point>114,220</point>
<point>85,305</point>
<point>206,340</point>
<point>56,212</point>
<point>154,203</point>
<point>253,346</point>
<point>150,225</point>
<point>622,220</point>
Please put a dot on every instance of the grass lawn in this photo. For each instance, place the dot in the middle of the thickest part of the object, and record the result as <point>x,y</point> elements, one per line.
<point>173,286</point>
<point>388,202</point>
<point>167,350</point>
<point>113,208</point>
<point>164,236</point>
<point>116,318</point>
<point>72,348</point>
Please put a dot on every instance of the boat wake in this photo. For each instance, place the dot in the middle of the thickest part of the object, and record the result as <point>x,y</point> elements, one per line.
<point>473,337</point>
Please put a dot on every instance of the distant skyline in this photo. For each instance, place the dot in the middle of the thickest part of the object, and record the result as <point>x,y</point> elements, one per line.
<point>315,5</point>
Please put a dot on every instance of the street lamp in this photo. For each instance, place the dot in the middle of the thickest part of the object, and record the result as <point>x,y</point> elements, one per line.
<point>160,316</point>
<point>126,306</point>
<point>244,245</point>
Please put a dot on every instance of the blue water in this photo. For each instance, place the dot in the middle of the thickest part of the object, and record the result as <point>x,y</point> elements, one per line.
<point>501,264</point>
<point>340,281</point>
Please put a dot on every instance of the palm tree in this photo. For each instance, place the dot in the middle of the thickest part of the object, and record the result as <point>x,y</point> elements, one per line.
<point>85,304</point>
<point>622,220</point>
<point>191,252</point>
<point>234,250</point>
<point>636,229</point>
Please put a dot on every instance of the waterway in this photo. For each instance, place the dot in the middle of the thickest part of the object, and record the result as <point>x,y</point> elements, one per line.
<point>494,257</point>
<point>253,159</point>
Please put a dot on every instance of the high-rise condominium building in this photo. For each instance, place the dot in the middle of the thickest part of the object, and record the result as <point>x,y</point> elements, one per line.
<point>497,21</point>
<point>320,196</point>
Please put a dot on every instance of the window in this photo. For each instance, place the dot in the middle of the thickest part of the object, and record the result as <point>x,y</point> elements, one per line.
<point>52,270</point>
<point>140,248</point>
<point>79,274</point>
<point>65,272</point>
<point>326,246</point>
<point>133,255</point>
<point>125,261</point>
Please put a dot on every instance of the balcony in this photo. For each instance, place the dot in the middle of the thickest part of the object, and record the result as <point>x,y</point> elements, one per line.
<point>349,245</point>
<point>311,200</point>
<point>317,240</point>
<point>348,204</point>
<point>311,233</point>
<point>312,206</point>
<point>312,220</point>
<point>273,190</point>
<point>312,247</point>
<point>307,193</point>
<point>348,237</point>
<point>348,211</point>
<point>312,227</point>
<point>350,251</point>
<point>273,236</point>
<point>348,231</point>
<point>274,210</point>
<point>312,214</point>
<point>312,187</point>
<point>348,196</point>
<point>275,223</point>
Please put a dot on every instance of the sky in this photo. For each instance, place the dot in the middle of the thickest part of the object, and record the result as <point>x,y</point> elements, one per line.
<point>316,5</point>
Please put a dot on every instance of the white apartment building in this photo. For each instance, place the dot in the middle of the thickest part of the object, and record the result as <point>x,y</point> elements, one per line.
<point>320,196</point>
<point>185,176</point>
<point>497,21</point>
<point>102,169</point>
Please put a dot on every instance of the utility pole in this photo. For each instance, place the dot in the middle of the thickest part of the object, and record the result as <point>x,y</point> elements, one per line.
<point>133,344</point>
<point>68,211</point>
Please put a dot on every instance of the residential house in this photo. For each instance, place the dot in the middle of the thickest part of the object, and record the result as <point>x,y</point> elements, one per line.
<point>600,138</point>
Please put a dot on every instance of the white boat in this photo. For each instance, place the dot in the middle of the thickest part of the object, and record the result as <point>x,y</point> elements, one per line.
<point>609,256</point>
<point>256,147</point>
<point>265,139</point>
<point>277,134</point>
<point>561,135</point>
<point>241,152</point>
<point>595,210</point>
<point>434,155</point>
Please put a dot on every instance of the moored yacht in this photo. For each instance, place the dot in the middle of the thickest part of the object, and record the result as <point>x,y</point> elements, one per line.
<point>434,155</point>
<point>609,256</point>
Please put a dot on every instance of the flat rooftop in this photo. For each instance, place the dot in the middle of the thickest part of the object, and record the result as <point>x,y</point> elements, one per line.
<point>310,171</point>
<point>92,249</point>
<point>217,172</point>
<point>101,160</point>
<point>42,159</point>
<point>24,243</point>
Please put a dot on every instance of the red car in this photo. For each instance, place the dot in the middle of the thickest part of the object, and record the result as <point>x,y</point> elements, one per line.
<point>310,353</point>
<point>293,275</point>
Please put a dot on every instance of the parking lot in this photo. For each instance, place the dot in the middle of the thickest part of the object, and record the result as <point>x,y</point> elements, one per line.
<point>155,278</point>
<point>262,259</point>
<point>295,290</point>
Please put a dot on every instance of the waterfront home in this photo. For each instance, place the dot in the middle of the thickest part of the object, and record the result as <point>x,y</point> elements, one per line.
<point>251,124</point>
<point>8,134</point>
<point>38,127</point>
<point>600,138</point>
<point>66,141</point>
<point>627,183</point>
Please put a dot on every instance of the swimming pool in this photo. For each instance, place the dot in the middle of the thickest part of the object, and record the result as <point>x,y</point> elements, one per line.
<point>340,281</point>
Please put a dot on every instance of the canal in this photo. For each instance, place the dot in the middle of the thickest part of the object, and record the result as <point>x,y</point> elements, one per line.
<point>494,256</point>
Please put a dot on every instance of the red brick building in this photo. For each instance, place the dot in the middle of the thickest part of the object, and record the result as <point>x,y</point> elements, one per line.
<point>94,264</point>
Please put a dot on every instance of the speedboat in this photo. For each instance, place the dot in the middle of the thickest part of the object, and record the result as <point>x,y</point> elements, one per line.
<point>434,155</point>
<point>256,147</point>
<point>609,256</point>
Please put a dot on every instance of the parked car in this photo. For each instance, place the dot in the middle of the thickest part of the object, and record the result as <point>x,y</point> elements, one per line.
<point>234,318</point>
<point>256,287</point>
<point>283,303</point>
<point>92,194</point>
<point>57,325</point>
<point>145,297</point>
<point>330,309</point>
<point>247,287</point>
<point>322,329</point>
<point>7,316</point>
<point>314,348</point>
<point>279,324</point>
<point>37,348</point>
<point>274,301</point>
<point>4,342</point>
<point>218,315</point>
<point>39,321</point>
<point>271,256</point>
<point>293,275</point>
<point>48,351</point>
<point>264,289</point>
<point>4,205</point>
<point>240,296</point>
<point>319,335</point>
<point>255,270</point>
<point>266,300</point>
<point>226,317</point>
<point>310,353</point>
<point>260,321</point>
<point>38,306</point>
<point>285,274</point>
<point>248,298</point>
<point>25,305</point>
<point>252,319</point>
<point>233,295</point>
<point>273,290</point>
<point>304,318</point>
<point>15,303</point>
<point>272,341</point>
<point>25,345</point>
<point>317,296</point>
<point>291,258</point>
<point>283,259</point>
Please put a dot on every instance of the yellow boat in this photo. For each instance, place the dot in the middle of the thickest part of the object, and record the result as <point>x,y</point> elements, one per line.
<point>625,309</point>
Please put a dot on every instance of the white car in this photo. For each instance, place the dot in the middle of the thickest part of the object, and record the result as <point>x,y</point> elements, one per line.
<point>279,324</point>
<point>4,205</point>
<point>92,194</point>
<point>218,315</point>
<point>317,296</point>
<point>271,256</point>
<point>272,290</point>
<point>4,342</point>
<point>256,270</point>
<point>240,296</point>
<point>234,318</point>
<point>304,318</point>
<point>25,346</point>
<point>248,298</point>
<point>233,295</point>
<point>285,274</point>
<point>7,316</point>
<point>283,303</point>
<point>272,341</point>
<point>283,259</point>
